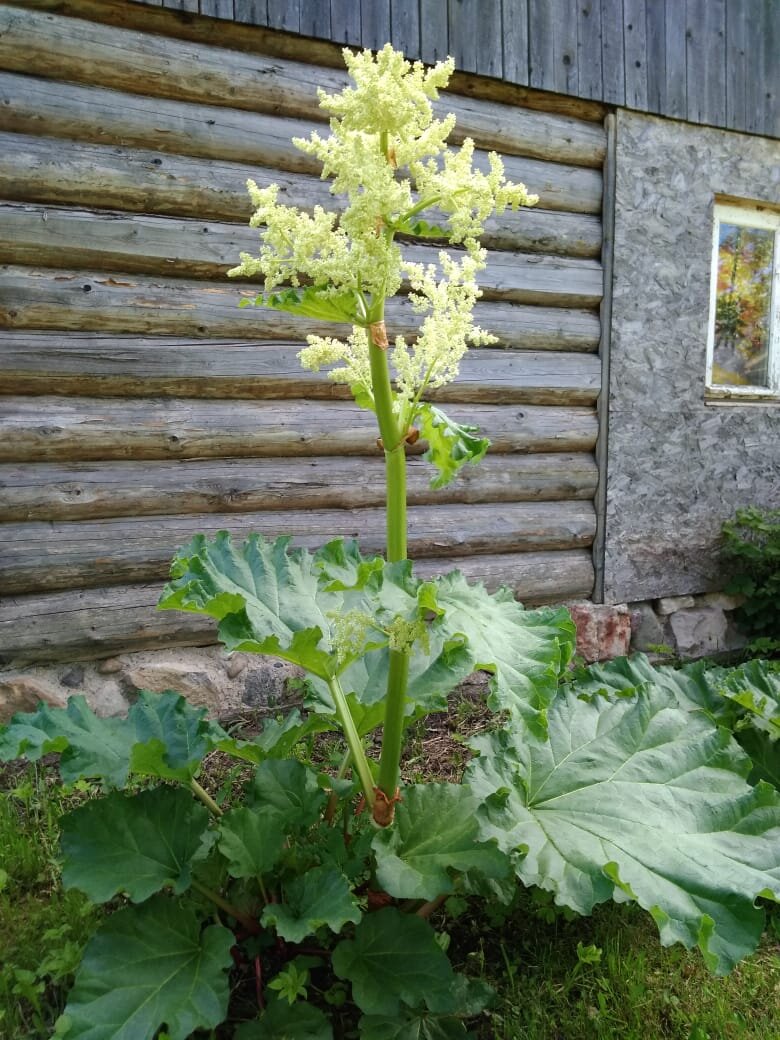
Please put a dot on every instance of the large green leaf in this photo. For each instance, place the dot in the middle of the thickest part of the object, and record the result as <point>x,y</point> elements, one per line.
<point>634,797</point>
<point>89,747</point>
<point>755,687</point>
<point>411,1027</point>
<point>435,832</point>
<point>265,597</point>
<point>251,841</point>
<point>135,845</point>
<point>321,896</point>
<point>281,1021</point>
<point>525,651</point>
<point>271,599</point>
<point>146,967</point>
<point>450,445</point>
<point>394,959</point>
<point>288,789</point>
<point>163,735</point>
<point>689,685</point>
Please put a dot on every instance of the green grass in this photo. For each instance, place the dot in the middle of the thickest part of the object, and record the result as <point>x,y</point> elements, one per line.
<point>627,988</point>
<point>635,990</point>
<point>43,929</point>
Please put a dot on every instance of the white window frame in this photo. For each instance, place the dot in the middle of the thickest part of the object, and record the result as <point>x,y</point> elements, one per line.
<point>753,216</point>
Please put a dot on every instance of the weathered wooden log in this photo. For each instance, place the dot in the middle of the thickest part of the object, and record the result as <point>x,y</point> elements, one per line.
<point>111,117</point>
<point>75,238</point>
<point>94,365</point>
<point>54,491</point>
<point>50,429</point>
<point>58,171</point>
<point>256,39</point>
<point>93,623</point>
<point>81,301</point>
<point>93,553</point>
<point>68,49</point>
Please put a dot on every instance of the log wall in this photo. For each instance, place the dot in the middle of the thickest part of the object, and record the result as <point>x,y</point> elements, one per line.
<point>139,404</point>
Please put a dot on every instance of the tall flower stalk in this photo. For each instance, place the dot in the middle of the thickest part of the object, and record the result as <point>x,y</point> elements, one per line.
<point>387,154</point>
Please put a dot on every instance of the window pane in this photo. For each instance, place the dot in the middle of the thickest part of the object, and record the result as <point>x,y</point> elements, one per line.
<point>743,306</point>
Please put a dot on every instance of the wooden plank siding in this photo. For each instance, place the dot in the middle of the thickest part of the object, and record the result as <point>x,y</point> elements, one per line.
<point>700,60</point>
<point>139,404</point>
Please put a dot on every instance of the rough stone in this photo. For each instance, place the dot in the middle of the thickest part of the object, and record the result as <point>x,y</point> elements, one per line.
<point>25,692</point>
<point>670,604</point>
<point>700,631</point>
<point>73,677</point>
<point>194,675</point>
<point>109,666</point>
<point>647,632</point>
<point>235,665</point>
<point>268,685</point>
<point>603,632</point>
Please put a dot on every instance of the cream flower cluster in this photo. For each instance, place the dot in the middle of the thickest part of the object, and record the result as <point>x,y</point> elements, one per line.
<point>381,126</point>
<point>433,358</point>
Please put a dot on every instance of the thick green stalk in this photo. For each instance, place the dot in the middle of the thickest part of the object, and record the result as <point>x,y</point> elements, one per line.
<point>393,731</point>
<point>205,797</point>
<point>395,478</point>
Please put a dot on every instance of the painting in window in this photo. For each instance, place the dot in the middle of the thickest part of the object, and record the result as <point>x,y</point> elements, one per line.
<point>743,339</point>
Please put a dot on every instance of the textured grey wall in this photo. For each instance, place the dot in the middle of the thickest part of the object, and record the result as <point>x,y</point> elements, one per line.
<point>677,467</point>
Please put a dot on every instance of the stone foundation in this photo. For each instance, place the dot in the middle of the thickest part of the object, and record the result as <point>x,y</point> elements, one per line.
<point>684,627</point>
<point>227,684</point>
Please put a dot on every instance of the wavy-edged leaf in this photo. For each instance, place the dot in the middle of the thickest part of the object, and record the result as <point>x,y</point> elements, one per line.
<point>435,833</point>
<point>89,747</point>
<point>764,754</point>
<point>277,738</point>
<point>320,897</point>
<point>271,599</point>
<point>450,445</point>
<point>135,845</point>
<point>264,595</point>
<point>755,687</point>
<point>637,798</point>
<point>411,1027</point>
<point>289,789</point>
<point>149,966</point>
<point>420,228</point>
<point>526,651</point>
<point>251,841</point>
<point>394,959</point>
<point>281,1021</point>
<point>163,735</point>
<point>311,301</point>
<point>690,685</point>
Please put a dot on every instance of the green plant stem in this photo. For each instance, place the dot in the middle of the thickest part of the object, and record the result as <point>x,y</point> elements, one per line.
<point>355,744</point>
<point>205,797</point>
<point>393,731</point>
<point>248,922</point>
<point>333,799</point>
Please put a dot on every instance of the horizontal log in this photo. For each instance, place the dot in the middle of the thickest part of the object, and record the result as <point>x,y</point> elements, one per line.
<point>34,362</point>
<point>41,429</point>
<point>81,301</point>
<point>93,623</point>
<point>55,237</point>
<point>55,491</point>
<point>39,556</point>
<point>49,107</point>
<point>70,49</point>
<point>260,40</point>
<point>55,170</point>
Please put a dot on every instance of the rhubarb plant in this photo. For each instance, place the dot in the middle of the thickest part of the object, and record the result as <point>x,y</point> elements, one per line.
<point>319,891</point>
